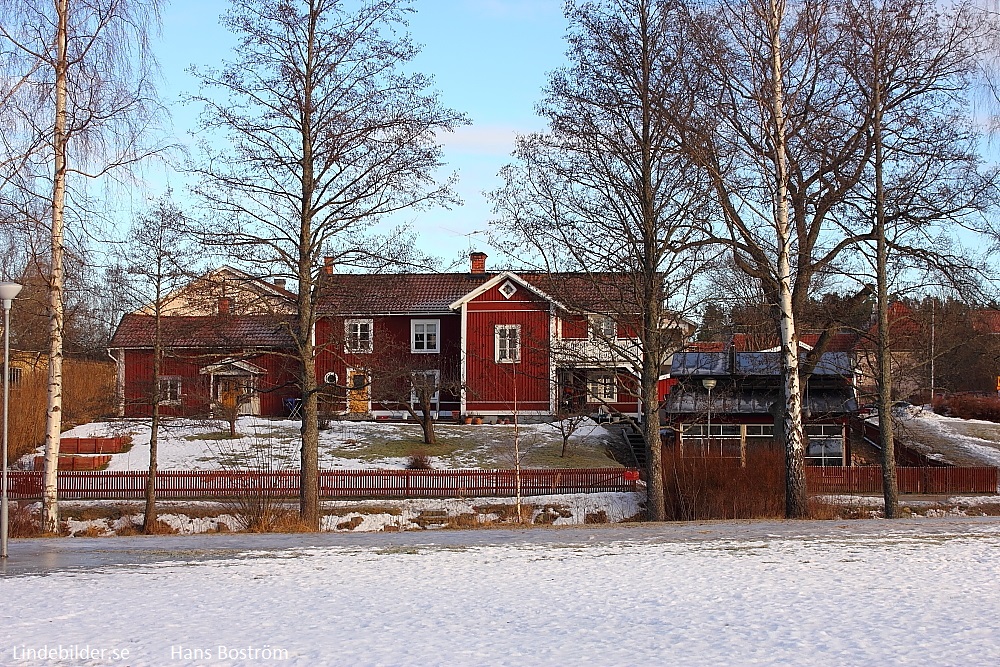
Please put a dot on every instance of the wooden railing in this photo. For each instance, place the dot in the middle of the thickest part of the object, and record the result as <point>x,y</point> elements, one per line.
<point>176,484</point>
<point>929,480</point>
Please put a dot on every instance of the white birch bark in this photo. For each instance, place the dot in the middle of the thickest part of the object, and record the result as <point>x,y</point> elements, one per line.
<point>795,488</point>
<point>53,414</point>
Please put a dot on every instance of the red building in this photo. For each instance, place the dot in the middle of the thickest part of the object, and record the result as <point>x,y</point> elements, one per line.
<point>479,343</point>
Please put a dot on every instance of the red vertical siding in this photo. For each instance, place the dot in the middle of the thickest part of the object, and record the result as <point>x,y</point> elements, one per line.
<point>492,386</point>
<point>276,384</point>
<point>389,356</point>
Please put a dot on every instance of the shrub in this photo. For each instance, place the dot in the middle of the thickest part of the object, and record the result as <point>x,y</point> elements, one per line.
<point>969,406</point>
<point>419,460</point>
<point>698,488</point>
<point>23,520</point>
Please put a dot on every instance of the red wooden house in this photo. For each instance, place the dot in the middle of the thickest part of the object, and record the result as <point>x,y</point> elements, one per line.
<point>487,343</point>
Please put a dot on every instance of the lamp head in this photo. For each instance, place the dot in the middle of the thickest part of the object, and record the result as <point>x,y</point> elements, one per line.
<point>708,383</point>
<point>8,291</point>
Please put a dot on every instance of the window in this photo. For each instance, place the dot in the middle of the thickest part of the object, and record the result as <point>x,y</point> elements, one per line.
<point>15,375</point>
<point>507,290</point>
<point>169,389</point>
<point>424,336</point>
<point>425,381</point>
<point>358,336</point>
<point>825,445</point>
<point>602,387</point>
<point>508,343</point>
<point>603,327</point>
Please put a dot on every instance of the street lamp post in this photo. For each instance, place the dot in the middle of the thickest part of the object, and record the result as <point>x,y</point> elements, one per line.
<point>709,384</point>
<point>8,291</point>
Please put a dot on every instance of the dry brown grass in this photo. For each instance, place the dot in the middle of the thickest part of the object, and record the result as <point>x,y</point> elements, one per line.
<point>23,521</point>
<point>88,394</point>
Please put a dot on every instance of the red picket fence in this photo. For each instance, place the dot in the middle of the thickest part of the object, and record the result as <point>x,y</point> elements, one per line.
<point>927,480</point>
<point>176,484</point>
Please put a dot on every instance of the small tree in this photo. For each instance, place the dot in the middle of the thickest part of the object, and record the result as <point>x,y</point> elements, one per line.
<point>157,259</point>
<point>569,419</point>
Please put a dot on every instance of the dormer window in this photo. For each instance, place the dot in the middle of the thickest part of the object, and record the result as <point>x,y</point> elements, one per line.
<point>508,289</point>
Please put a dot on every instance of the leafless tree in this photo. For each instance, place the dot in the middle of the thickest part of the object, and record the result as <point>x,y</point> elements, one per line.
<point>316,135</point>
<point>158,258</point>
<point>780,140</point>
<point>78,107</point>
<point>606,194</point>
<point>913,64</point>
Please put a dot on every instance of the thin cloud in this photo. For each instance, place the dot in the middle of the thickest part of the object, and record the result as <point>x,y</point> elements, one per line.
<point>483,139</point>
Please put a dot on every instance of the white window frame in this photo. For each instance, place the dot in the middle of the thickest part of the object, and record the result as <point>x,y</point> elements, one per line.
<point>170,380</point>
<point>598,385</point>
<point>350,337</point>
<point>413,336</point>
<point>435,397</point>
<point>507,358</point>
<point>507,290</point>
<point>602,327</point>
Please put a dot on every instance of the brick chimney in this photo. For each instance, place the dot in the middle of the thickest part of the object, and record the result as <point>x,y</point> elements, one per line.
<point>224,304</point>
<point>279,283</point>
<point>477,260</point>
<point>328,265</point>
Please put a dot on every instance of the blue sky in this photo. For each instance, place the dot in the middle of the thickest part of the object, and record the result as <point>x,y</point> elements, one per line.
<point>489,59</point>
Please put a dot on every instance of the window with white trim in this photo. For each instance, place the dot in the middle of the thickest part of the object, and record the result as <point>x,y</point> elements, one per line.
<point>603,327</point>
<point>602,387</point>
<point>358,336</point>
<point>507,338</point>
<point>425,336</point>
<point>422,381</point>
<point>507,290</point>
<point>169,389</point>
<point>14,376</point>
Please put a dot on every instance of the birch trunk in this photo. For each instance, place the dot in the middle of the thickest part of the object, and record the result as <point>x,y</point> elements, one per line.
<point>795,487</point>
<point>53,414</point>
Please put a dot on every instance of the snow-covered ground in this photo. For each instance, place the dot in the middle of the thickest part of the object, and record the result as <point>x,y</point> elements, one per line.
<point>187,444</point>
<point>782,593</point>
<point>951,439</point>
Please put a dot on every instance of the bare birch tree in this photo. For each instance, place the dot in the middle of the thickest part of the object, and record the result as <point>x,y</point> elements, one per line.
<point>83,68</point>
<point>779,139</point>
<point>319,134</point>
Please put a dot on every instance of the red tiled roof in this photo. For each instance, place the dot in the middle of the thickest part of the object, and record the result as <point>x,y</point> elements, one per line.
<point>223,331</point>
<point>360,294</point>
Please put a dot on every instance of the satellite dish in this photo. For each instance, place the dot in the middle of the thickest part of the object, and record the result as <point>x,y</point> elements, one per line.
<point>330,378</point>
